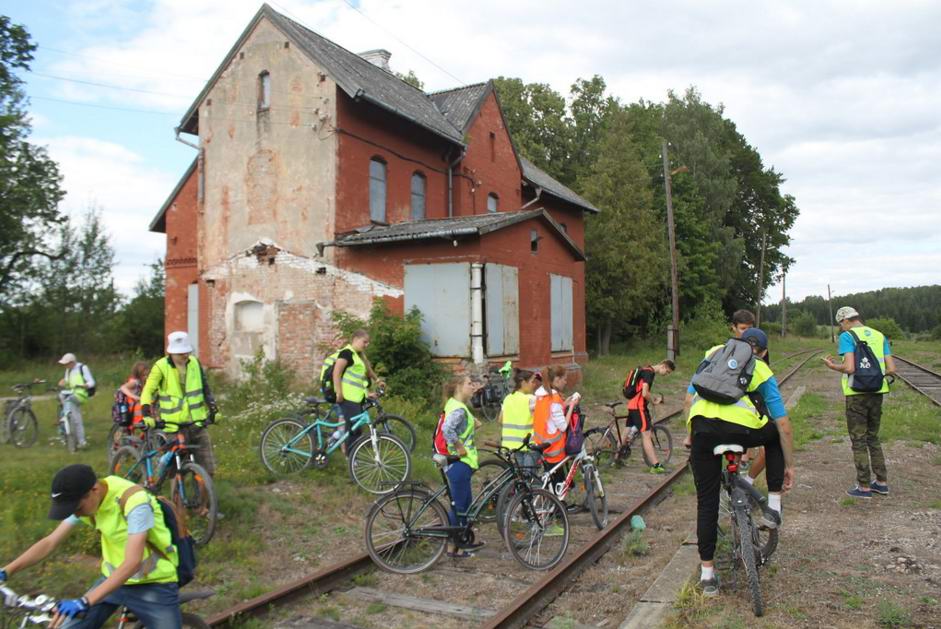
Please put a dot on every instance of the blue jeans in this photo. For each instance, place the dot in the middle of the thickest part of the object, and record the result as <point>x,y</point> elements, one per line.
<point>459,478</point>
<point>156,605</point>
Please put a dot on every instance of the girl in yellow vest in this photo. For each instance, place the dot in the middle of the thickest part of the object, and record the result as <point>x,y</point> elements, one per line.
<point>459,428</point>
<point>516,416</point>
<point>352,375</point>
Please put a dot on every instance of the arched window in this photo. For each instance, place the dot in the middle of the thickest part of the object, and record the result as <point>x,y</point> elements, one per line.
<point>418,196</point>
<point>377,190</point>
<point>264,91</point>
<point>492,202</point>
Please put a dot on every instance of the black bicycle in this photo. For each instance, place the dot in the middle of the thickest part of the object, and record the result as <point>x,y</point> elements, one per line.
<point>609,446</point>
<point>19,422</point>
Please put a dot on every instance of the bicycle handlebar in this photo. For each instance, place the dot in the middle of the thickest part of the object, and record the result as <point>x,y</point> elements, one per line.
<point>41,603</point>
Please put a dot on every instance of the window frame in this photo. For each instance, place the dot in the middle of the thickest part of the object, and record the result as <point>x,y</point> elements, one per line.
<point>376,159</point>
<point>419,176</point>
<point>496,202</point>
<point>264,90</point>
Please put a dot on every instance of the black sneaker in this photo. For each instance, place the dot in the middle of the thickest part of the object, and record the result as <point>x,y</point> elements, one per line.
<point>710,587</point>
<point>471,547</point>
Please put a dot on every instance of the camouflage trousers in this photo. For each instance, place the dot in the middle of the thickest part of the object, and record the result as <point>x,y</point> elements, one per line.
<point>863,415</point>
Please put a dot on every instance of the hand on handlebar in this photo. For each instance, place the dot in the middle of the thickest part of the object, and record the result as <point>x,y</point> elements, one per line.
<point>69,609</point>
<point>152,423</point>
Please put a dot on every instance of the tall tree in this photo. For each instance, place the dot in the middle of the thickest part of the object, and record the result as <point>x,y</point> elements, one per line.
<point>142,318</point>
<point>590,108</point>
<point>30,188</point>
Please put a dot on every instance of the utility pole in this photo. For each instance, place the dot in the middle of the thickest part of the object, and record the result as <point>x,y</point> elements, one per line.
<point>830,308</point>
<point>784,304</point>
<point>761,280</point>
<point>673,339</point>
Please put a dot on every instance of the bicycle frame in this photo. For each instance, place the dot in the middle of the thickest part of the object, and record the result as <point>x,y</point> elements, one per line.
<point>179,448</point>
<point>569,482</point>
<point>740,495</point>
<point>358,421</point>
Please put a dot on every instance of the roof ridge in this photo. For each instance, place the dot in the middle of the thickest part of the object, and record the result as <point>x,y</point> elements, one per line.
<point>456,89</point>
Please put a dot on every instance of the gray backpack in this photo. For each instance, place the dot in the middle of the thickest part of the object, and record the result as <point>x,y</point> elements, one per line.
<point>724,376</point>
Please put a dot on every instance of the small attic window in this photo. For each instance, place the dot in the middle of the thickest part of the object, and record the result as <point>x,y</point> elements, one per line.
<point>264,91</point>
<point>493,146</point>
<point>493,201</point>
<point>534,238</point>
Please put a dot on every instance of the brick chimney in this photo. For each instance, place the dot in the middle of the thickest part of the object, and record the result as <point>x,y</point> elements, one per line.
<point>378,57</point>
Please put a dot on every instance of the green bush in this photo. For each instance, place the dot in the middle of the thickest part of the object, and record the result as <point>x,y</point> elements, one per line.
<point>805,325</point>
<point>706,327</point>
<point>771,328</point>
<point>398,353</point>
<point>936,333</point>
<point>887,326</point>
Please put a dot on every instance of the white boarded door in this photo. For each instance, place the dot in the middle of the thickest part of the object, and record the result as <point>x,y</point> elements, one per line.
<point>502,309</point>
<point>561,306</point>
<point>442,293</point>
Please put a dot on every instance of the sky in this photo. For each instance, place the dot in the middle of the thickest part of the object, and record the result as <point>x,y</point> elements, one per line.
<point>842,98</point>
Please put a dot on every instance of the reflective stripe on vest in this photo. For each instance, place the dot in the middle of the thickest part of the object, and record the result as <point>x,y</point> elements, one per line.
<point>466,437</point>
<point>743,411</point>
<point>876,341</point>
<point>354,381</point>
<point>517,419</point>
<point>556,451</point>
<point>76,380</point>
<point>112,524</point>
<point>176,406</point>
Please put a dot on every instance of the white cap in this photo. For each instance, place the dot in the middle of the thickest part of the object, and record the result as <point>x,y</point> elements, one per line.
<point>846,312</point>
<point>68,358</point>
<point>179,343</point>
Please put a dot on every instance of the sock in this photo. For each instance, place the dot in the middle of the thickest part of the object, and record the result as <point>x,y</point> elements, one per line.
<point>749,479</point>
<point>774,502</point>
<point>707,573</point>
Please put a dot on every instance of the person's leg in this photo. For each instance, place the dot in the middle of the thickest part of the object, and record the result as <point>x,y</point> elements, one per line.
<point>156,605</point>
<point>98,614</point>
<point>857,425</point>
<point>351,410</point>
<point>459,480</point>
<point>707,471</point>
<point>78,425</point>
<point>873,443</point>
<point>645,439</point>
<point>757,466</point>
<point>203,452</point>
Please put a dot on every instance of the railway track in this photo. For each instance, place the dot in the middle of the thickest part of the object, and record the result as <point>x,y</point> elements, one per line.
<point>538,589</point>
<point>920,378</point>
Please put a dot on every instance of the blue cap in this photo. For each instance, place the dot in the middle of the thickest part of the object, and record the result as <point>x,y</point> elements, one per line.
<point>756,337</point>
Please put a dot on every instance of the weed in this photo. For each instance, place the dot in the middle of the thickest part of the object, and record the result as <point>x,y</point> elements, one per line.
<point>685,487</point>
<point>927,600</point>
<point>634,544</point>
<point>892,615</point>
<point>561,622</point>
<point>376,607</point>
<point>852,601</point>
<point>366,579</point>
<point>795,612</point>
<point>331,612</point>
<point>848,502</point>
<point>934,504</point>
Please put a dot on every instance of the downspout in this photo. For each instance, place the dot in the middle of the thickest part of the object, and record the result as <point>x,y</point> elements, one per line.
<point>451,181</point>
<point>477,313</point>
<point>199,166</point>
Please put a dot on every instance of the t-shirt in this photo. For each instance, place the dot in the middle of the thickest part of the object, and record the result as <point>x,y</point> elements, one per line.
<point>643,375</point>
<point>556,422</point>
<point>139,520</point>
<point>454,425</point>
<point>847,344</point>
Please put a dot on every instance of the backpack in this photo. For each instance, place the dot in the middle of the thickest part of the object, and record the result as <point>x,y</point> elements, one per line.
<point>179,536</point>
<point>868,377</point>
<point>91,390</point>
<point>575,435</point>
<point>121,413</point>
<point>326,385</point>
<point>724,376</point>
<point>439,445</point>
<point>630,384</point>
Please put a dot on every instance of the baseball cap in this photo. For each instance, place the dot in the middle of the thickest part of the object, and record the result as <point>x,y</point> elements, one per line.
<point>756,337</point>
<point>68,358</point>
<point>69,486</point>
<point>179,343</point>
<point>846,312</point>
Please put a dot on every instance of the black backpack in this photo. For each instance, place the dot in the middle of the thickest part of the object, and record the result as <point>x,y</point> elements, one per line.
<point>630,384</point>
<point>326,385</point>
<point>575,435</point>
<point>91,390</point>
<point>868,377</point>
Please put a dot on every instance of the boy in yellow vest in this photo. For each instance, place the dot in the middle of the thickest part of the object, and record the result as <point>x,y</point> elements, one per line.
<point>132,574</point>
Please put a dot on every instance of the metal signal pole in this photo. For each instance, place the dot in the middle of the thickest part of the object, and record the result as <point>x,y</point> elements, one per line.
<point>761,280</point>
<point>673,340</point>
<point>783,305</point>
<point>830,308</point>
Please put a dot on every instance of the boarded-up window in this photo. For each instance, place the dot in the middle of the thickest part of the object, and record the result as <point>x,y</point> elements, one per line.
<point>442,293</point>
<point>264,91</point>
<point>418,196</point>
<point>377,190</point>
<point>561,308</point>
<point>249,316</point>
<point>502,317</point>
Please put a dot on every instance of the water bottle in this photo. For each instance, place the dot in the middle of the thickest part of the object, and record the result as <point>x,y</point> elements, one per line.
<point>163,463</point>
<point>123,410</point>
<point>631,432</point>
<point>335,437</point>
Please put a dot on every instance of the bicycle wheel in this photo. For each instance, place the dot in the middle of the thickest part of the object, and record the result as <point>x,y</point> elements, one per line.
<point>487,472</point>
<point>746,548</point>
<point>398,427</point>
<point>378,469</point>
<point>24,429</point>
<point>391,523</point>
<point>602,445</point>
<point>71,441</point>
<point>537,529</point>
<point>662,444</point>
<point>595,498</point>
<point>191,490</point>
<point>282,450</point>
<point>127,463</point>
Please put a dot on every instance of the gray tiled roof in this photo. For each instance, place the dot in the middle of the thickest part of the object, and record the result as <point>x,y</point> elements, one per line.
<point>540,178</point>
<point>360,79</point>
<point>451,229</point>
<point>461,104</point>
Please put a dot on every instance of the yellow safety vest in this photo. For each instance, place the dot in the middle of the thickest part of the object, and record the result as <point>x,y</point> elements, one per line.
<point>355,382</point>
<point>517,419</point>
<point>76,380</point>
<point>742,412</point>
<point>112,524</point>
<point>876,341</point>
<point>467,437</point>
<point>176,406</point>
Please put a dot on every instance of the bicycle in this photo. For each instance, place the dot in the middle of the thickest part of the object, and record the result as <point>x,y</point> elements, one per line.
<point>407,530</point>
<point>23,611</point>
<point>19,422</point>
<point>375,460</point>
<point>608,445</point>
<point>65,422</point>
<point>191,489</point>
<point>489,398</point>
<point>750,544</point>
<point>595,499</point>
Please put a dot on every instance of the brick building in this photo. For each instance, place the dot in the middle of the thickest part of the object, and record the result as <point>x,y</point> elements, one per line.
<point>323,182</point>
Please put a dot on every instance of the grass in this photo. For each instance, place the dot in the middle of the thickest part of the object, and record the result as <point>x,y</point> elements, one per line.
<point>849,501</point>
<point>376,608</point>
<point>852,601</point>
<point>892,615</point>
<point>634,544</point>
<point>934,504</point>
<point>806,418</point>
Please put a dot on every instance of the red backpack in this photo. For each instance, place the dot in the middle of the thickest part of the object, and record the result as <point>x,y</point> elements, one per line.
<point>630,384</point>
<point>440,445</point>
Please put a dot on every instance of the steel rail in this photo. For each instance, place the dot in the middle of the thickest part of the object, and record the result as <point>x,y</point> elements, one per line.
<point>920,370</point>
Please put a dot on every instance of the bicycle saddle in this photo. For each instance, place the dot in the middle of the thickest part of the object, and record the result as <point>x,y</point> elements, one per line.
<point>540,447</point>
<point>727,447</point>
<point>195,596</point>
<point>314,400</point>
<point>614,404</point>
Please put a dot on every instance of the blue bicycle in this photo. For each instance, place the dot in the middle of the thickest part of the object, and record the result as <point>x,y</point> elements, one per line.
<point>377,461</point>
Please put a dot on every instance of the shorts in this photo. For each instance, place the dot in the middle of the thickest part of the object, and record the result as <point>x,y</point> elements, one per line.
<point>639,419</point>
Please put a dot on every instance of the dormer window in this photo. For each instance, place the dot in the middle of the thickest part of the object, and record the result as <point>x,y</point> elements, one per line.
<point>264,91</point>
